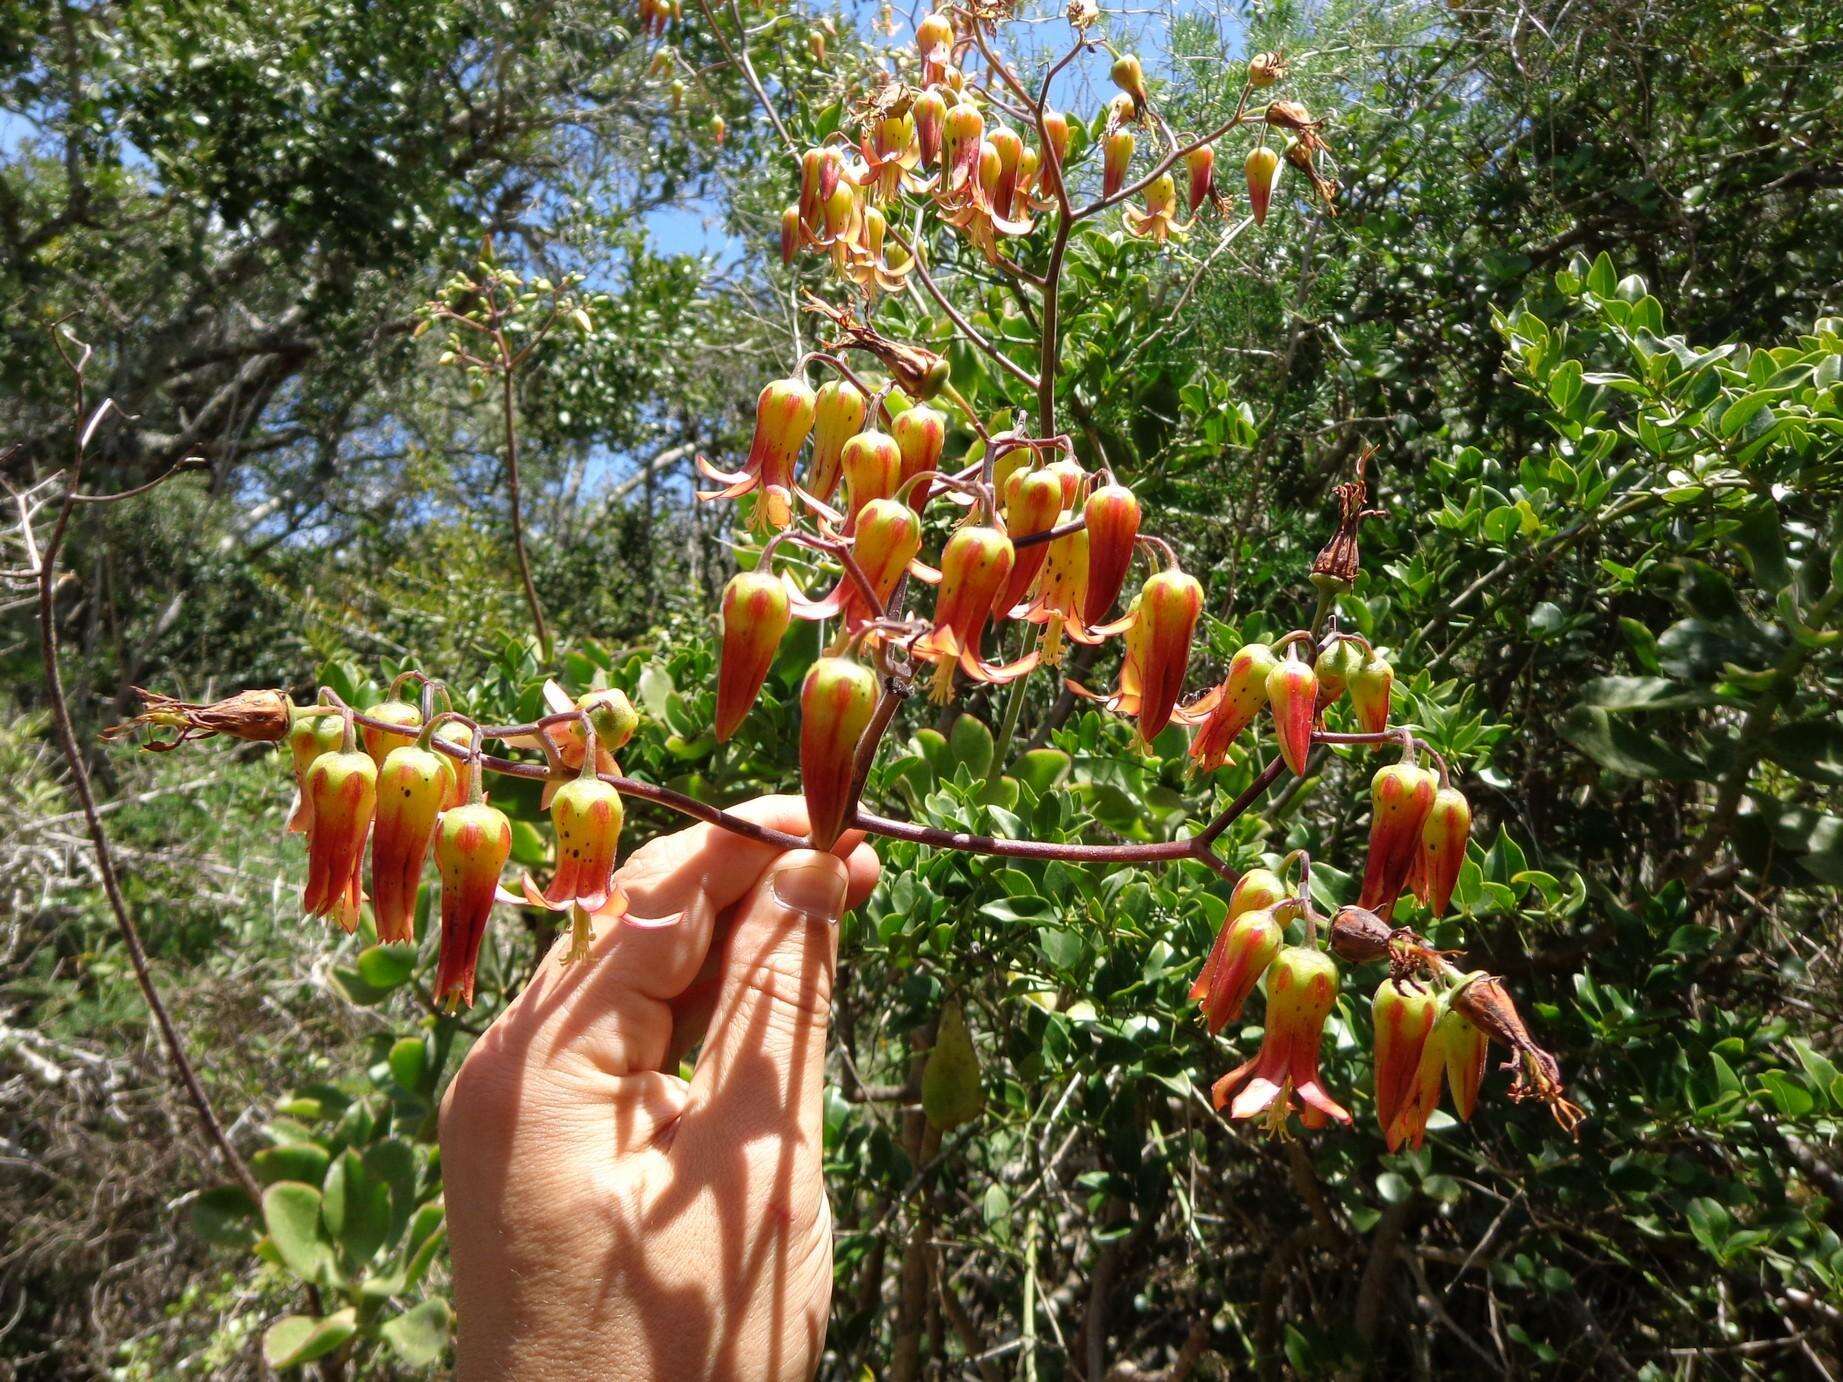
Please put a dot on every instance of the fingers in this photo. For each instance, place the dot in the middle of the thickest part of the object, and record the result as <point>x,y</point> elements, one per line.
<point>763,1062</point>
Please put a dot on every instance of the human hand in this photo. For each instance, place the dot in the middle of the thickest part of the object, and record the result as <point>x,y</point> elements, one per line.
<point>609,1219</point>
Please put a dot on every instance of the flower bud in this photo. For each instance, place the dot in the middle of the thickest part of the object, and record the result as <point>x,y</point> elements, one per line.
<point>472,844</point>
<point>872,464</point>
<point>1301,989</point>
<point>309,737</point>
<point>454,771</point>
<point>1292,695</point>
<point>1129,76</point>
<point>379,742</point>
<point>1008,149</point>
<point>930,112</point>
<point>921,434</point>
<point>1112,514</point>
<point>1369,694</point>
<point>1443,837</point>
<point>1466,1051</point>
<point>1400,797</point>
<point>836,703</point>
<point>1263,170</point>
<point>820,170</point>
<point>1201,164</point>
<point>1055,156</point>
<point>934,45</point>
<point>790,234</point>
<point>1116,156</point>
<point>1232,706</point>
<point>839,410</point>
<point>1033,501</point>
<point>756,612</point>
<point>1334,668</point>
<point>1403,1020</point>
<point>1256,891</point>
<point>343,790</point>
<point>412,788</point>
<point>888,537</point>
<point>1169,604</point>
<point>962,134</point>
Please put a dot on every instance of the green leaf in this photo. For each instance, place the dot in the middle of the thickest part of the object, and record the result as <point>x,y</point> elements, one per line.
<point>1622,748</point>
<point>1742,411</point>
<point>419,1336</point>
<point>1621,694</point>
<point>1602,278</point>
<point>300,1161</point>
<point>295,1340</point>
<point>225,1216</point>
<point>386,966</point>
<point>970,742</point>
<point>291,1215</point>
<point>1043,769</point>
<point>411,1065</point>
<point>951,1089</point>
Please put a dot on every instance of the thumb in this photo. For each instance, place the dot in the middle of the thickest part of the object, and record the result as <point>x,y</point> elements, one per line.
<point>763,1063</point>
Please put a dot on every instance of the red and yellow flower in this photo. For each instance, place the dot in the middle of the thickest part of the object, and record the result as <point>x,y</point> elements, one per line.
<point>412,790</point>
<point>1250,936</point>
<point>757,608</point>
<point>309,736</point>
<point>1292,695</point>
<point>1112,517</point>
<point>1262,168</point>
<point>975,565</point>
<point>783,417</point>
<point>1401,795</point>
<point>1301,987</point>
<point>1442,855</point>
<point>1222,713</point>
<point>343,791</point>
<point>839,410</point>
<point>836,703</point>
<point>472,844</point>
<point>1403,1019</point>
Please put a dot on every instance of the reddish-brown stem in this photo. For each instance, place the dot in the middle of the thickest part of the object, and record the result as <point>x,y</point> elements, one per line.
<point>966,328</point>
<point>1074,525</point>
<point>1094,208</point>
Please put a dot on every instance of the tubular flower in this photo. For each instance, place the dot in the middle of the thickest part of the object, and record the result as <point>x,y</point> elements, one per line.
<point>1116,156</point>
<point>1369,694</point>
<point>756,611</point>
<point>587,815</point>
<point>453,732</point>
<point>921,434</point>
<point>1466,1050</point>
<point>1253,891</point>
<point>1404,1018</point>
<point>1129,76</point>
<point>975,565</point>
<point>1055,155</point>
<point>1224,712</point>
<point>1420,1094</point>
<point>343,788</point>
<point>1443,837</point>
<point>888,146</point>
<point>872,463</point>
<point>1263,170</point>
<point>309,737</point>
<point>836,702</point>
<point>1301,989</point>
<point>1009,149</point>
<point>839,410</point>
<point>934,45</point>
<point>412,789</point>
<point>1158,221</point>
<point>1247,945</point>
<point>1169,604</point>
<point>791,234</point>
<point>1201,164</point>
<point>1062,588</point>
<point>1033,501</point>
<point>472,844</point>
<point>930,112</point>
<point>1334,667</point>
<point>1400,797</point>
<point>379,742</point>
<point>1292,694</point>
<point>962,134</point>
<point>820,170</point>
<point>887,538</point>
<point>1112,514</point>
<point>783,417</point>
<point>613,717</point>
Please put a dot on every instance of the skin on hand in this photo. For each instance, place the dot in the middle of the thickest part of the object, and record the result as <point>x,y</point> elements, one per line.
<point>609,1219</point>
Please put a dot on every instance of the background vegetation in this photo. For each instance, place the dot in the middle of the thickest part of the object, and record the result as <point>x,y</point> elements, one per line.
<point>1577,296</point>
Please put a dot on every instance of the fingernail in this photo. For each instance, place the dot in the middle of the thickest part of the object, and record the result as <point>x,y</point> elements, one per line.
<point>812,885</point>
